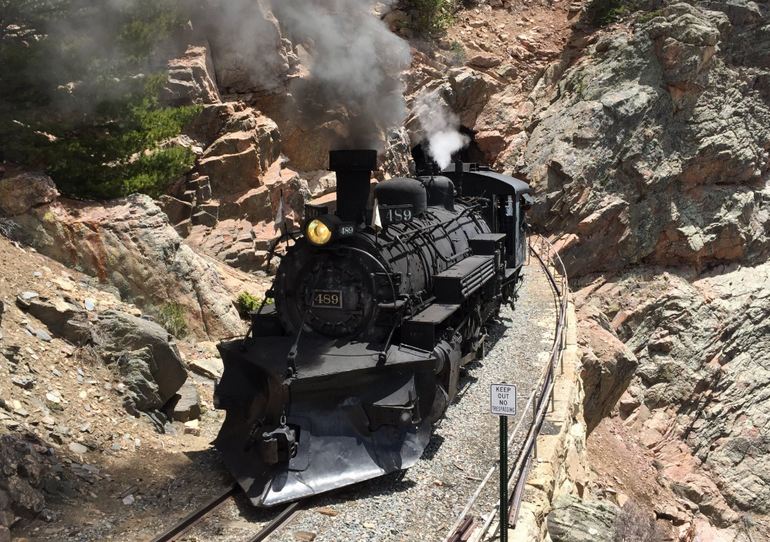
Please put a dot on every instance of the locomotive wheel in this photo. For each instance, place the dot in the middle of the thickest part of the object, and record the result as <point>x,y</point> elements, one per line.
<point>440,404</point>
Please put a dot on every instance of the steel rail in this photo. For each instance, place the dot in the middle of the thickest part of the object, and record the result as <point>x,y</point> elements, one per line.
<point>176,531</point>
<point>464,514</point>
<point>192,519</point>
<point>543,390</point>
<point>276,523</point>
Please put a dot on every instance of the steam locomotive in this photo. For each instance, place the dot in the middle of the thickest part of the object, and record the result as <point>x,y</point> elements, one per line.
<point>377,307</point>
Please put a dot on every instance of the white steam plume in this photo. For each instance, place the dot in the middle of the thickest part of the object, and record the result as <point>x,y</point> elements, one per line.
<point>441,128</point>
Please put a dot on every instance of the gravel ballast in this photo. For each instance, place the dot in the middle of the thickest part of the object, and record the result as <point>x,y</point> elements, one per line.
<point>421,503</point>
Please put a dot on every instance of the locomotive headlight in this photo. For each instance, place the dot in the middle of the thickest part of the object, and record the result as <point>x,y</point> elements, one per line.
<point>318,232</point>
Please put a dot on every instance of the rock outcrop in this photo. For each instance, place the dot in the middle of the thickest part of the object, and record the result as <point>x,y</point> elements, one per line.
<point>236,160</point>
<point>463,90</point>
<point>607,366</point>
<point>142,352</point>
<point>130,245</point>
<point>653,147</point>
<point>190,78</point>
<point>702,347</point>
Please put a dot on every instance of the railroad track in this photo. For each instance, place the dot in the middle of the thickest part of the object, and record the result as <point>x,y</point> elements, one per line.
<point>283,517</point>
<point>465,525</point>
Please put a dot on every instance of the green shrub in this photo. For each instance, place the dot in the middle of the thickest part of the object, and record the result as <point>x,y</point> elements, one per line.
<point>248,303</point>
<point>431,17</point>
<point>604,12</point>
<point>80,94</point>
<point>172,317</point>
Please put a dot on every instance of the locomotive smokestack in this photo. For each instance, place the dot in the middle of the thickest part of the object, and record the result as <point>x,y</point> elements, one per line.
<point>354,170</point>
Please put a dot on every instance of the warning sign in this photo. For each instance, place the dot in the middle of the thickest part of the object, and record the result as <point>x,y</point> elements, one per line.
<point>503,399</point>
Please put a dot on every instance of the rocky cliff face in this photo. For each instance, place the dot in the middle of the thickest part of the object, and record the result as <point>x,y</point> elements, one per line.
<point>649,149</point>
<point>702,346</point>
<point>653,146</point>
<point>128,244</point>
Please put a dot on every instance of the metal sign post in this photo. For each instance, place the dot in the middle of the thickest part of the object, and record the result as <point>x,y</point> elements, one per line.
<point>503,478</point>
<point>502,399</point>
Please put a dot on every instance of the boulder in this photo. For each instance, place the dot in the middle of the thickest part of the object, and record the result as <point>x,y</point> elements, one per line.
<point>137,369</point>
<point>186,405</point>
<point>129,244</point>
<point>63,319</point>
<point>191,79</point>
<point>484,61</point>
<point>209,367</point>
<point>147,359</point>
<point>20,193</point>
<point>574,520</point>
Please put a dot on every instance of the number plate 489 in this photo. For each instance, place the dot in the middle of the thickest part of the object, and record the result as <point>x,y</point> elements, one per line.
<point>396,214</point>
<point>327,298</point>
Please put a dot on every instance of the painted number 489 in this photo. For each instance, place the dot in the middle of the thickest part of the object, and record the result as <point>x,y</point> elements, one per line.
<point>399,215</point>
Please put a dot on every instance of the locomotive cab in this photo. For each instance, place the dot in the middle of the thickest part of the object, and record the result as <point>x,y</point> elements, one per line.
<point>509,198</point>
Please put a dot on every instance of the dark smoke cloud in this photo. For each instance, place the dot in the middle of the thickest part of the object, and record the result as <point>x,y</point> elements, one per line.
<point>354,61</point>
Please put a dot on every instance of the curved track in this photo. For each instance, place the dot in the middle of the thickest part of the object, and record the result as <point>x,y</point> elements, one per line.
<point>445,489</point>
<point>537,403</point>
<point>177,531</point>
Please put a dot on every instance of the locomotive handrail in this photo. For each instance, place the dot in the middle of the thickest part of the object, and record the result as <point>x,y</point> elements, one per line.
<point>547,256</point>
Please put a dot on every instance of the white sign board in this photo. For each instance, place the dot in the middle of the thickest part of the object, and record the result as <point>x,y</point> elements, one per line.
<point>503,399</point>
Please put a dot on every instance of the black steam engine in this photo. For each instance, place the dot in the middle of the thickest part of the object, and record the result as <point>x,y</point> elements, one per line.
<point>377,307</point>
